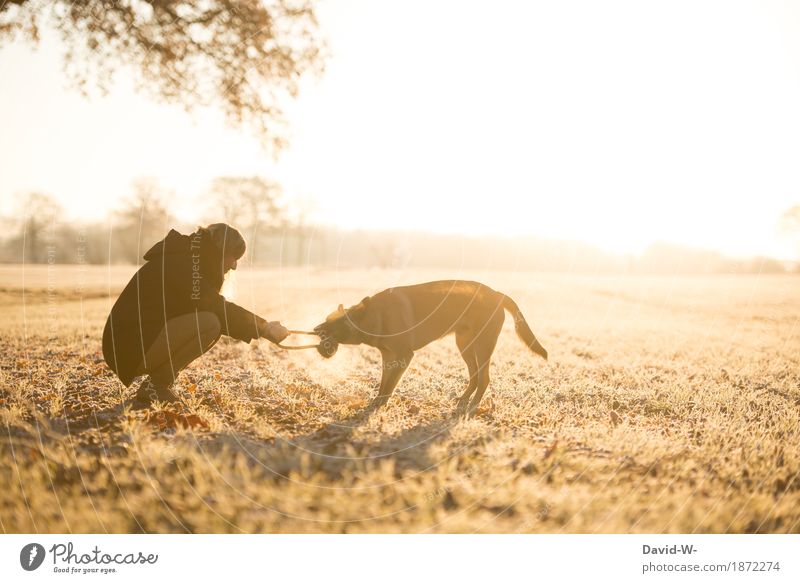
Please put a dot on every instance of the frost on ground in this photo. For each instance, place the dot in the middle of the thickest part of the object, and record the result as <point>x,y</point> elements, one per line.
<point>669,404</point>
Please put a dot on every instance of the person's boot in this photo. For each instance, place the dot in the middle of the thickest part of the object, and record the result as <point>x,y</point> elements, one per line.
<point>149,392</point>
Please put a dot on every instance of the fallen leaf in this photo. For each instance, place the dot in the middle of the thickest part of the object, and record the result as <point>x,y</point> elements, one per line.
<point>194,421</point>
<point>192,388</point>
<point>481,411</point>
<point>354,402</point>
<point>615,418</point>
<point>449,502</point>
<point>167,419</point>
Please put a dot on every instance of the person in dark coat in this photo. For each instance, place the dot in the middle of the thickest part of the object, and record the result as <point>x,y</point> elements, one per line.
<point>171,312</point>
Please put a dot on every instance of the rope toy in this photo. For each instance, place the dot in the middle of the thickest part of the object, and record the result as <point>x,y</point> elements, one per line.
<point>301,347</point>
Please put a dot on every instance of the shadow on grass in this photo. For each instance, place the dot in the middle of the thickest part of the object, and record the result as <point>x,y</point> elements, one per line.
<point>332,449</point>
<point>336,449</point>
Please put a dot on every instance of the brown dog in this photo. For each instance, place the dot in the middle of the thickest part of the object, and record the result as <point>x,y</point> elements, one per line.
<point>400,320</point>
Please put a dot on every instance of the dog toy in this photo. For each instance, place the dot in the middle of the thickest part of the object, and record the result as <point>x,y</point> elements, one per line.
<point>303,346</point>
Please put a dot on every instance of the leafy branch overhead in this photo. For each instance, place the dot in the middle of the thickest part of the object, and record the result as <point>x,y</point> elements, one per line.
<point>243,56</point>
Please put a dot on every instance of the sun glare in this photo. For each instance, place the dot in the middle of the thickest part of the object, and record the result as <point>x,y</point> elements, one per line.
<point>561,122</point>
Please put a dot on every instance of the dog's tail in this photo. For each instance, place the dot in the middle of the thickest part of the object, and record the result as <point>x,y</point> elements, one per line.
<point>523,330</point>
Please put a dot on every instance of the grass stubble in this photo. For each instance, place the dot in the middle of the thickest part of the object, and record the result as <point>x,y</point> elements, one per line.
<point>669,404</point>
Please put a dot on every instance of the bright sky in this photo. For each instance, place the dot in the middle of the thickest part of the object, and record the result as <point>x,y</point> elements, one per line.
<point>615,123</point>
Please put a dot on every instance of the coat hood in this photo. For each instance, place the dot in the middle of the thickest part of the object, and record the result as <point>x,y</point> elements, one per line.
<point>173,243</point>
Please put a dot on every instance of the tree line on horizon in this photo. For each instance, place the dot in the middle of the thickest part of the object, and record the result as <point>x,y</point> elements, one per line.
<point>38,233</point>
<point>281,232</point>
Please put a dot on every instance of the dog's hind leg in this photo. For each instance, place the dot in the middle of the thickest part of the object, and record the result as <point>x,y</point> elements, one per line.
<point>465,343</point>
<point>484,348</point>
<point>483,381</point>
<point>394,365</point>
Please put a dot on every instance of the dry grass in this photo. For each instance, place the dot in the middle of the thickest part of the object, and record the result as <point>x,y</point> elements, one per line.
<point>668,405</point>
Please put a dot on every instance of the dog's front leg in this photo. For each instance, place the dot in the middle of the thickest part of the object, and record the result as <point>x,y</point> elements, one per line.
<point>394,365</point>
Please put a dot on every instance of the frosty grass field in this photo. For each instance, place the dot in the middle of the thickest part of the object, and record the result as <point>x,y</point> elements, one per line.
<point>669,404</point>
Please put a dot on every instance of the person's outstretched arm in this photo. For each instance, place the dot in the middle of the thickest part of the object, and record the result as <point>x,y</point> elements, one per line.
<point>236,321</point>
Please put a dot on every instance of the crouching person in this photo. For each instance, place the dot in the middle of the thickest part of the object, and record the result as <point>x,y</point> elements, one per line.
<point>172,312</point>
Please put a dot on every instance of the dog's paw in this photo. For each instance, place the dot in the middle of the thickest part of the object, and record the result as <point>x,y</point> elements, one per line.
<point>377,402</point>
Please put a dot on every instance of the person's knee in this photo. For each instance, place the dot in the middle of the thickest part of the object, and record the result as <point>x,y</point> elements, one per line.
<point>210,328</point>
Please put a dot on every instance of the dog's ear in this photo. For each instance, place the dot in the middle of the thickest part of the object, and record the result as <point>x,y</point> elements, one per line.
<point>367,320</point>
<point>335,315</point>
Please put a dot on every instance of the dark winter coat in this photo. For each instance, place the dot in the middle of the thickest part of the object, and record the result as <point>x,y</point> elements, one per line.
<point>182,274</point>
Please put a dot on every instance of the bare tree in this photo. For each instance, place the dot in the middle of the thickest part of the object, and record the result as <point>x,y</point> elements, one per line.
<point>285,238</point>
<point>299,225</point>
<point>39,213</point>
<point>249,203</point>
<point>244,56</point>
<point>142,221</point>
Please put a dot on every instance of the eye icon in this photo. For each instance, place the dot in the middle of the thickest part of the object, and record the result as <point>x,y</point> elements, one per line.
<point>31,556</point>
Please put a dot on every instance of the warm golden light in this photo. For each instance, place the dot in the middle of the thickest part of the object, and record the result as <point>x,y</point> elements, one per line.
<point>562,121</point>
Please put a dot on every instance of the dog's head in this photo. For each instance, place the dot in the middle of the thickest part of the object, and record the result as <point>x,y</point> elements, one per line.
<point>340,327</point>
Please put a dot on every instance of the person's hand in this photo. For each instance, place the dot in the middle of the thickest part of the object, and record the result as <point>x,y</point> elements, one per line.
<point>277,331</point>
<point>273,331</point>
